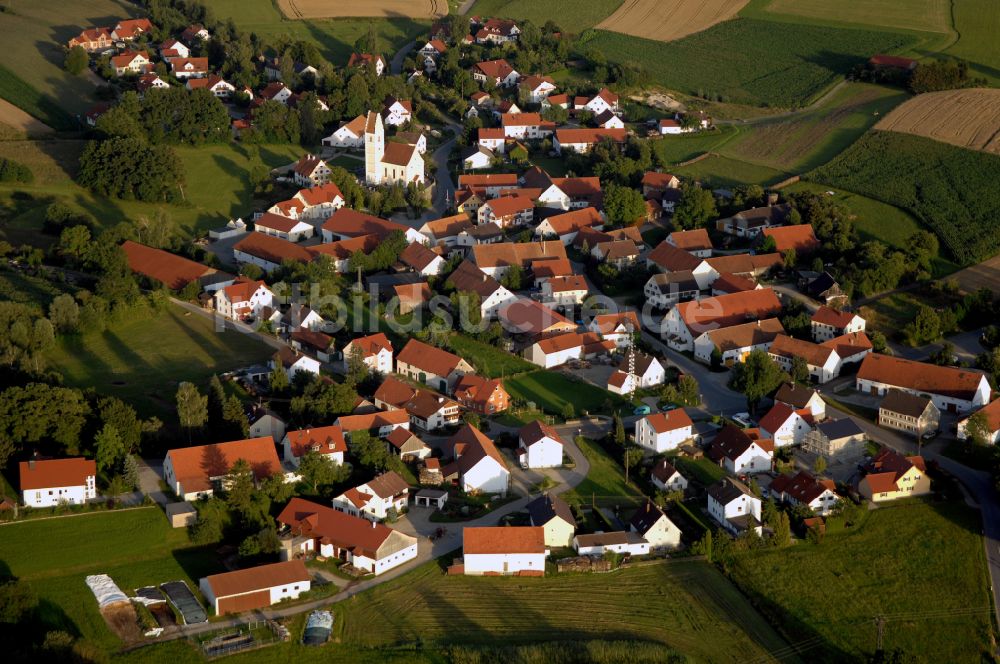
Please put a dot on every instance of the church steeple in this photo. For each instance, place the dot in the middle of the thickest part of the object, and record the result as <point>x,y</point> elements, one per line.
<point>374,147</point>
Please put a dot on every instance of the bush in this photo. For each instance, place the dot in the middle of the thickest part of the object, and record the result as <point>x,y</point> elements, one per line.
<point>77,60</point>
<point>12,171</point>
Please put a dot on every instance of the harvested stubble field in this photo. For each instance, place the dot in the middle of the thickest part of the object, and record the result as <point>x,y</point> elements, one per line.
<point>299,9</point>
<point>966,118</point>
<point>665,20</point>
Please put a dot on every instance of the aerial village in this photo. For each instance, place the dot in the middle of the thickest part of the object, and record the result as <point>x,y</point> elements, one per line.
<point>517,311</point>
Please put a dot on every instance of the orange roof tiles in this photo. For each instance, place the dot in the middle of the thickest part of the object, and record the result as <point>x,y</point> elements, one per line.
<point>921,377</point>
<point>195,467</point>
<point>428,358</point>
<point>509,539</point>
<point>324,440</point>
<point>174,272</point>
<point>53,473</point>
<point>725,310</point>
<point>272,249</point>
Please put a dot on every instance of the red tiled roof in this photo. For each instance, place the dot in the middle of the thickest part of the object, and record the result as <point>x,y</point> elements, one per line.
<point>574,220</point>
<point>799,237</point>
<point>272,249</point>
<point>325,440</point>
<point>731,283</point>
<point>921,377</point>
<point>746,335</point>
<point>54,473</point>
<point>326,524</point>
<point>508,205</point>
<point>417,256</point>
<point>828,316</point>
<point>276,222</point>
<point>779,414</point>
<point>371,344</point>
<point>488,180</point>
<point>473,446</point>
<point>790,347</point>
<point>174,272</point>
<point>803,487</point>
<point>516,253</point>
<point>669,421</point>
<point>608,323</point>
<point>325,193</point>
<point>745,263</point>
<point>196,65</point>
<point>673,259</point>
<point>377,420</point>
<point>428,358</point>
<point>526,316</point>
<point>693,240</point>
<point>725,310</point>
<point>194,467</point>
<point>886,467</point>
<point>503,539</point>
<point>494,68</point>
<point>849,344</point>
<point>352,223</point>
<point>663,181</point>
<point>589,136</point>
<point>732,441</point>
<point>242,289</point>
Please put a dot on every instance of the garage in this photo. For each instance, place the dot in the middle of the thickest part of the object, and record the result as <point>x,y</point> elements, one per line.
<point>247,602</point>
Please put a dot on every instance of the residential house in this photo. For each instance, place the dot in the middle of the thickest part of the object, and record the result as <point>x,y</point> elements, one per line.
<point>195,472</point>
<point>566,226</point>
<point>662,432</point>
<point>620,253</point>
<point>377,499</point>
<point>608,120</point>
<point>799,397</point>
<point>185,68</point>
<point>406,445</point>
<point>727,284</point>
<point>565,292</point>
<point>512,550</point>
<point>173,271</point>
<point>131,62</point>
<point>293,362</point>
<point>732,345</point>
<point>218,86</point>
<point>255,588</point>
<point>481,395</point>
<point>195,32</point>
<point>421,260</point>
<point>556,101</point>
<point>734,507</point>
<point>665,289</point>
<point>327,441</point>
<point>364,545</point>
<point>375,350</point>
<point>243,299</point>
<point>433,48</point>
<point>992,414</point>
<point>582,140</point>
<point>557,350</point>
<point>49,482</point>
<point>496,259</point>
<point>313,342</point>
<point>507,211</point>
<point>889,476</point>
<point>803,489</point>
<point>554,516</point>
<point>397,112</point>
<point>537,88</point>
<point>268,252</point>
<point>852,348</point>
<point>539,446</point>
<point>828,323</point>
<point>670,127</point>
<point>92,39</point>
<point>604,100</point>
<point>823,362</point>
<point>492,184</point>
<point>667,478</point>
<point>907,412</point>
<point>131,28</point>
<point>951,389</point>
<point>497,31</point>
<point>696,242</point>
<point>265,422</point>
<point>476,463</point>
<point>283,227</point>
<point>498,71</point>
<point>742,451</point>
<point>477,157</point>
<point>150,81</point>
<point>319,202</point>
<point>467,278</point>
<point>431,366</point>
<point>365,60</point>
<point>750,223</point>
<point>347,223</point>
<point>310,171</point>
<point>822,287</point>
<point>379,423</point>
<point>528,317</point>
<point>529,126</point>
<point>836,439</point>
<point>444,232</point>
<point>619,541</point>
<point>350,135</point>
<point>620,328</point>
<point>651,523</point>
<point>798,237</point>
<point>785,425</point>
<point>687,320</point>
<point>647,372</point>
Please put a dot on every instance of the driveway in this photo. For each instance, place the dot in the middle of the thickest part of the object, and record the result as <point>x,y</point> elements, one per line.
<point>150,474</point>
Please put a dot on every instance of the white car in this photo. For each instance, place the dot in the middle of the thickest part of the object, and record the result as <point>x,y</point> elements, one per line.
<point>743,419</point>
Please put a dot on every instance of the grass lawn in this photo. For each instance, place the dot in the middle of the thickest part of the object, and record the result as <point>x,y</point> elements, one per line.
<point>570,15</point>
<point>701,470</point>
<point>976,21</point>
<point>218,186</point>
<point>518,418</point>
<point>676,149</point>
<point>676,604</point>
<point>810,140</point>
<point>778,64</point>
<point>335,37</point>
<point>606,477</point>
<point>554,166</point>
<point>719,171</point>
<point>488,360</point>
<point>142,361</point>
<point>551,391</point>
<point>185,652</point>
<point>135,547</point>
<point>834,591</point>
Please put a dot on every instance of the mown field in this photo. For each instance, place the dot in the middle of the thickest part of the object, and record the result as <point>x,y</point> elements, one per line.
<point>666,20</point>
<point>605,478</point>
<point>135,547</point>
<point>551,391</point>
<point>721,171</point>
<point>920,565</point>
<point>677,604</point>
<point>811,139</point>
<point>966,118</point>
<point>218,186</point>
<point>677,149</point>
<point>925,15</point>
<point>570,15</point>
<point>32,76</point>
<point>752,61</point>
<point>142,361</point>
<point>297,9</point>
<point>335,37</point>
<point>949,189</point>
<point>976,23</point>
<point>488,360</point>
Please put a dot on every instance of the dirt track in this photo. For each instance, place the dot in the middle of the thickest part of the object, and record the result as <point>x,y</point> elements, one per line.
<point>666,20</point>
<point>305,9</point>
<point>966,118</point>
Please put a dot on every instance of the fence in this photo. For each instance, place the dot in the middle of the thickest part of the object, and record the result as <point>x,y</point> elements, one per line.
<point>246,636</point>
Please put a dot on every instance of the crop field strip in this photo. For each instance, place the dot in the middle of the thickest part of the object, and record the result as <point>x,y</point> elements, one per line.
<point>924,15</point>
<point>570,15</point>
<point>666,20</point>
<point>306,9</point>
<point>966,118</point>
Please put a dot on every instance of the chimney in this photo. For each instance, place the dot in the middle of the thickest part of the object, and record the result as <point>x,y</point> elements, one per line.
<point>373,524</point>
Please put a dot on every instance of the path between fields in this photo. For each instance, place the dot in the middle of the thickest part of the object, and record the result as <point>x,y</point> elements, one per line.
<point>14,117</point>
<point>426,549</point>
<point>784,115</point>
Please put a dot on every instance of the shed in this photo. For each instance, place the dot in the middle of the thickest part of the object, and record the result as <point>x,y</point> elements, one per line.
<point>435,498</point>
<point>181,514</point>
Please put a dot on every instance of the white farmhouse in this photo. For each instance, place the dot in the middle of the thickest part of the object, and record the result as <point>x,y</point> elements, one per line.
<point>734,507</point>
<point>539,446</point>
<point>477,464</point>
<point>376,499</point>
<point>48,482</point>
<point>786,425</point>
<point>740,453</point>
<point>328,441</point>
<point>652,524</point>
<point>667,478</point>
<point>661,432</point>
<point>255,587</point>
<point>516,550</point>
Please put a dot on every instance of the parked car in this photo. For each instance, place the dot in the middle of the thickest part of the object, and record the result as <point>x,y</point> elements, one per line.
<point>930,435</point>
<point>668,407</point>
<point>743,419</point>
<point>642,410</point>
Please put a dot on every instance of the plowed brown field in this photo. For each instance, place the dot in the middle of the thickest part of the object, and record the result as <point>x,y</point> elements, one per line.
<point>350,8</point>
<point>666,20</point>
<point>966,118</point>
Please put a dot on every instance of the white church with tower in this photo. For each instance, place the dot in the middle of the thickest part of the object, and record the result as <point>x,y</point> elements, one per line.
<point>386,163</point>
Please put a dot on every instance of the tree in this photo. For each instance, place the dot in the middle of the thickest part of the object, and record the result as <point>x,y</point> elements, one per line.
<point>39,413</point>
<point>318,470</point>
<point>472,418</point>
<point>233,415</point>
<point>192,407</point>
<point>513,279</point>
<point>925,327</point>
<point>631,459</point>
<point>17,601</point>
<point>819,465</point>
<point>567,411</point>
<point>624,205</point>
<point>688,390</point>
<point>129,169</point>
<point>977,429</point>
<point>278,378</point>
<point>782,529</point>
<point>696,207</point>
<point>77,60</point>
<point>109,447</point>
<point>756,377</point>
<point>257,170</point>
<point>122,417</point>
<point>800,370</point>
<point>213,521</point>
<point>619,429</point>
